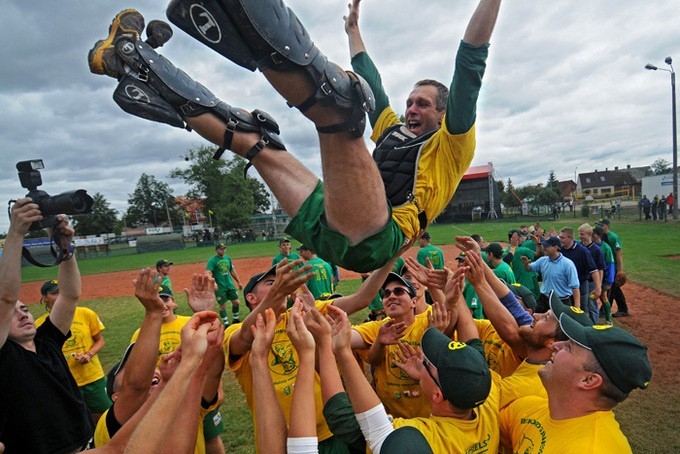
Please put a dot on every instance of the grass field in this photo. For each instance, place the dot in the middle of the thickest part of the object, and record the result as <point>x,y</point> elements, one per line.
<point>650,419</point>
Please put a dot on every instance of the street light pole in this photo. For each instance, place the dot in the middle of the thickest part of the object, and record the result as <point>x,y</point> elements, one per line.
<point>669,62</point>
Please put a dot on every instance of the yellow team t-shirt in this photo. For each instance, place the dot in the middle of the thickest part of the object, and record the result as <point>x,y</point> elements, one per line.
<point>451,435</point>
<point>524,382</point>
<point>85,325</point>
<point>444,159</point>
<point>527,426</point>
<point>170,335</point>
<point>401,395</point>
<point>283,367</point>
<point>498,354</point>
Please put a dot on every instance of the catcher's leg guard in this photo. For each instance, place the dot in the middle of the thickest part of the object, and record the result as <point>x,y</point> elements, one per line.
<point>157,90</point>
<point>268,35</point>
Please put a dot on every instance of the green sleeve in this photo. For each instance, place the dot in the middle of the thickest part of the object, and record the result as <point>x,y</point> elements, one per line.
<point>461,108</point>
<point>364,66</point>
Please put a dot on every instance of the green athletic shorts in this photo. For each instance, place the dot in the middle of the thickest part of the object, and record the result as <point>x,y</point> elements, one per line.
<point>213,425</point>
<point>95,396</point>
<point>309,227</point>
<point>226,295</point>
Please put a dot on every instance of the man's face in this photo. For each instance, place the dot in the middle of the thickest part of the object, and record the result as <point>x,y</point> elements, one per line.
<point>260,291</point>
<point>567,241</point>
<point>397,305</point>
<point>551,251</point>
<point>284,248</point>
<point>541,330</point>
<point>584,236</point>
<point>514,239</point>
<point>419,288</point>
<point>169,307</point>
<point>50,298</point>
<point>421,113</point>
<point>566,367</point>
<point>22,327</point>
<point>221,251</point>
<point>164,270</point>
<point>306,254</point>
<point>422,242</point>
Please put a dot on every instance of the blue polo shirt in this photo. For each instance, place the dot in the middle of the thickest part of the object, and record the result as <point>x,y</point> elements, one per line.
<point>559,275</point>
<point>580,255</point>
<point>598,255</point>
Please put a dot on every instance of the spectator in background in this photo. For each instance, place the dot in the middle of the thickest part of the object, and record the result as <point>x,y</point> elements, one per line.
<point>284,252</point>
<point>662,208</point>
<point>80,351</point>
<point>494,257</point>
<point>645,205</point>
<point>163,268</point>
<point>655,207</point>
<point>321,282</point>
<point>224,273</point>
<point>670,200</point>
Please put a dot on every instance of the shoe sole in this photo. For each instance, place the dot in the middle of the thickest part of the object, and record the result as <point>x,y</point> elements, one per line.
<point>117,28</point>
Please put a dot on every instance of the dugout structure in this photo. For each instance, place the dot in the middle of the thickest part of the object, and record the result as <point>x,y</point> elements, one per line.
<point>476,198</point>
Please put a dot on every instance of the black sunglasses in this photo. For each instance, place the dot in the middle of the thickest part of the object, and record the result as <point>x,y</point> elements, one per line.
<point>398,291</point>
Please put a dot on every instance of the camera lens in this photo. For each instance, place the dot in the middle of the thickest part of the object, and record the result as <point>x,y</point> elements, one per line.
<point>71,202</point>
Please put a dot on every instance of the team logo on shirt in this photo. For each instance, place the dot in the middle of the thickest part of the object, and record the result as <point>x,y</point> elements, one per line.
<point>284,362</point>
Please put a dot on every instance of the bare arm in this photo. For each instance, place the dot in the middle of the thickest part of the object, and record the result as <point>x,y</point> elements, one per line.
<point>331,384</point>
<point>302,409</point>
<point>98,344</point>
<point>481,24</point>
<point>356,43</point>
<point>234,276</point>
<point>142,361</point>
<point>288,279</point>
<point>271,424</point>
<point>367,291</point>
<point>24,213</point>
<point>70,290</point>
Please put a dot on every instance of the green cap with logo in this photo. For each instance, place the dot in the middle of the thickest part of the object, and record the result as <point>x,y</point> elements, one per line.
<point>559,308</point>
<point>463,372</point>
<point>622,357</point>
<point>164,290</point>
<point>49,287</point>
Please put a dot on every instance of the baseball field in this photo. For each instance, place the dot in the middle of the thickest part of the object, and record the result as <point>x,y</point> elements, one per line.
<point>649,418</point>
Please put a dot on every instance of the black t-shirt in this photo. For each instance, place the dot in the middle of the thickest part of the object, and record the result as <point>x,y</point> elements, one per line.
<point>41,408</point>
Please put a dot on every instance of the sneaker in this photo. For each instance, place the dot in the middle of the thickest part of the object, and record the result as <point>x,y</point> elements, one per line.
<point>620,314</point>
<point>102,58</point>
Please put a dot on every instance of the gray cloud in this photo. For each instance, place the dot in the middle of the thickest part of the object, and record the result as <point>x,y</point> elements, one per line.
<point>565,87</point>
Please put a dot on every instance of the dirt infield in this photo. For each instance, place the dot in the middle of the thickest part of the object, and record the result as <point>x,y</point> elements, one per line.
<point>652,312</point>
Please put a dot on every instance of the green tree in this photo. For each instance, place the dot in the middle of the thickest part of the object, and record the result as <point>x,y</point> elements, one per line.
<point>552,180</point>
<point>661,167</point>
<point>101,220</point>
<point>509,196</point>
<point>151,202</point>
<point>232,198</point>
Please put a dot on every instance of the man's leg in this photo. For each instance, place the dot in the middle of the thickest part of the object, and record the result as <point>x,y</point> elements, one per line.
<point>616,296</point>
<point>234,311</point>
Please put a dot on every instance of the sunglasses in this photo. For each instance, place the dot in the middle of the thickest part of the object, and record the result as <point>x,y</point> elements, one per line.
<point>426,365</point>
<point>398,291</point>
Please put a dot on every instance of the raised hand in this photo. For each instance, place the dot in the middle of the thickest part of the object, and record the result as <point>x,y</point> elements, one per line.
<point>475,272</point>
<point>319,327</point>
<point>440,317</point>
<point>390,332</point>
<point>305,297</point>
<point>341,329</point>
<point>263,333</point>
<point>352,17</point>
<point>201,296</point>
<point>466,243</point>
<point>146,290</point>
<point>455,283</point>
<point>409,360</point>
<point>24,213</point>
<point>194,335</point>
<point>299,335</point>
<point>288,278</point>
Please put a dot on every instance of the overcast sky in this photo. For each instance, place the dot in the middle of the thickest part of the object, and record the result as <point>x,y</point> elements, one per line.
<point>565,87</point>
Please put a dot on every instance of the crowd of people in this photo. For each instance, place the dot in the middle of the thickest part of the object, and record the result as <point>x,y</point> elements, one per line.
<point>658,208</point>
<point>501,349</point>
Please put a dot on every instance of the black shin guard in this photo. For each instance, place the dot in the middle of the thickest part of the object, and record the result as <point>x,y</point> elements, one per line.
<point>268,35</point>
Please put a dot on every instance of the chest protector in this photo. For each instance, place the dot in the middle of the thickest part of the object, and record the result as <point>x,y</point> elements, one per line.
<point>397,154</point>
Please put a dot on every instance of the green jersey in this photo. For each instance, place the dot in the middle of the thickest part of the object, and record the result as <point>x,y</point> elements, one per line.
<point>503,271</point>
<point>221,268</point>
<point>522,276</point>
<point>433,253</point>
<point>166,282</point>
<point>292,256</point>
<point>472,301</point>
<point>398,265</point>
<point>322,280</point>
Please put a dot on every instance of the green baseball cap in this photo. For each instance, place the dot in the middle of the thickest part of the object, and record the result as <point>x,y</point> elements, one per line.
<point>528,297</point>
<point>463,372</point>
<point>559,308</point>
<point>396,277</point>
<point>49,287</point>
<point>164,290</point>
<point>406,440</point>
<point>622,357</point>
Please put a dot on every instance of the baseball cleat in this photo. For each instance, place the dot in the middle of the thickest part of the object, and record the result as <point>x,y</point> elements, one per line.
<point>127,26</point>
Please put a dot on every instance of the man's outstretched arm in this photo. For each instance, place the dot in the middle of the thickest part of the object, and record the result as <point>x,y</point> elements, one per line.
<point>24,213</point>
<point>482,22</point>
